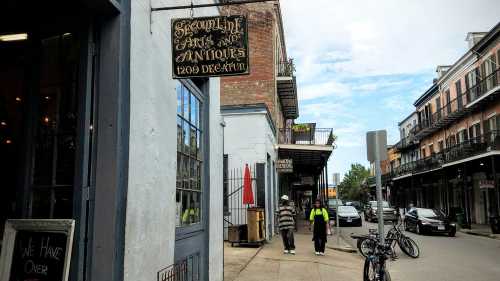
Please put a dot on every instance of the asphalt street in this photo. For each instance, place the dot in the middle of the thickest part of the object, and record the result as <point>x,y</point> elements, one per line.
<point>442,258</point>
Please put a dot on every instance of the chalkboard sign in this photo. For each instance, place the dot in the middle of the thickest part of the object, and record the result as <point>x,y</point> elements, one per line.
<point>209,46</point>
<point>36,250</point>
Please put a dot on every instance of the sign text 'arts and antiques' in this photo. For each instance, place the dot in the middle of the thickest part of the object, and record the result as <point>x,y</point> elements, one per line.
<point>209,46</point>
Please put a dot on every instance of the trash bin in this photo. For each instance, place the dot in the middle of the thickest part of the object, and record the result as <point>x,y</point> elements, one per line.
<point>460,219</point>
<point>495,224</point>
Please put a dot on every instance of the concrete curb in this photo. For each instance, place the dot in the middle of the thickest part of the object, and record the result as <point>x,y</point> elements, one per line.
<point>487,235</point>
<point>342,249</point>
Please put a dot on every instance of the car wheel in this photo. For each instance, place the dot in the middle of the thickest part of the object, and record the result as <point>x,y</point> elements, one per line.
<point>418,229</point>
<point>406,226</point>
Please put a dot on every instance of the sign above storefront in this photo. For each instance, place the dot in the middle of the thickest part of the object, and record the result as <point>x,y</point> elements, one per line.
<point>484,184</point>
<point>209,46</point>
<point>284,166</point>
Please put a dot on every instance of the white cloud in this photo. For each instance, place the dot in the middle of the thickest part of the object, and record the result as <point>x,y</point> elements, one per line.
<point>322,89</point>
<point>343,47</point>
<point>383,37</point>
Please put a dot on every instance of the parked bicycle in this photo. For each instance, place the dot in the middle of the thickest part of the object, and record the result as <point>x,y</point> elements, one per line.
<point>366,243</point>
<point>375,268</point>
<point>406,244</point>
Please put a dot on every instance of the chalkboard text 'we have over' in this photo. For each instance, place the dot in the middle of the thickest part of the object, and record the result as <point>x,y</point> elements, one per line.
<point>39,254</point>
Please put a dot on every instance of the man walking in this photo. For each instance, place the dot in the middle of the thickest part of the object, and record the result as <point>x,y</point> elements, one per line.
<point>286,219</point>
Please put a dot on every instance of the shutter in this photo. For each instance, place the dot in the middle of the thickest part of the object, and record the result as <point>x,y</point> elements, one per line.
<point>482,72</point>
<point>497,122</point>
<point>486,126</point>
<point>494,66</point>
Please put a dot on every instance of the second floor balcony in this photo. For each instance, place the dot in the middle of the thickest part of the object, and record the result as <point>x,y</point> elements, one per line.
<point>471,100</point>
<point>472,147</point>
<point>287,89</point>
<point>406,143</point>
<point>306,134</point>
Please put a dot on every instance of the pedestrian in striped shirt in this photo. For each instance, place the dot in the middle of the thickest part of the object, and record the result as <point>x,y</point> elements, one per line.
<point>286,219</point>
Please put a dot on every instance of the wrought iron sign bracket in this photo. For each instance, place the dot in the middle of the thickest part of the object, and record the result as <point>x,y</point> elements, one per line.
<point>197,6</point>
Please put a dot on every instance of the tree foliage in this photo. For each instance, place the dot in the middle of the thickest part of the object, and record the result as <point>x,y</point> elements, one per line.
<point>351,187</point>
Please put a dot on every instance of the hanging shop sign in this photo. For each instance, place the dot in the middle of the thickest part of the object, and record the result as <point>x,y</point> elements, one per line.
<point>486,184</point>
<point>284,166</point>
<point>36,250</point>
<point>209,46</point>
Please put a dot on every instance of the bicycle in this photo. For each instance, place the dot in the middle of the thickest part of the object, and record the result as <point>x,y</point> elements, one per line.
<point>406,244</point>
<point>394,235</point>
<point>375,268</point>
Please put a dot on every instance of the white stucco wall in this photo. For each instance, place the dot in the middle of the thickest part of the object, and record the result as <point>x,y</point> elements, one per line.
<point>248,138</point>
<point>150,215</point>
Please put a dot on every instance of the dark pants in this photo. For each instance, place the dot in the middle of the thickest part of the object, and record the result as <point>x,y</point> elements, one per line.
<point>288,241</point>
<point>319,245</point>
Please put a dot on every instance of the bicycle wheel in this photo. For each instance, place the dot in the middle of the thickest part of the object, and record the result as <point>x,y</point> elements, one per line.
<point>366,247</point>
<point>409,247</point>
<point>370,270</point>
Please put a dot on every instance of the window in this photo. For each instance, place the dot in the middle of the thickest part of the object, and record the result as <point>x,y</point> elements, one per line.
<point>441,145</point>
<point>438,107</point>
<point>423,152</point>
<point>471,79</point>
<point>458,87</point>
<point>189,156</point>
<point>448,100</point>
<point>431,149</point>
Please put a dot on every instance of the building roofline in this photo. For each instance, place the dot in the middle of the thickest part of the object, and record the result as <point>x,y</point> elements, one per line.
<point>250,109</point>
<point>407,117</point>
<point>479,46</point>
<point>426,95</point>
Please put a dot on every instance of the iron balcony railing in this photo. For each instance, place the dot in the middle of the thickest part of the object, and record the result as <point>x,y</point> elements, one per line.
<point>458,106</point>
<point>408,141</point>
<point>309,136</point>
<point>468,148</point>
<point>286,68</point>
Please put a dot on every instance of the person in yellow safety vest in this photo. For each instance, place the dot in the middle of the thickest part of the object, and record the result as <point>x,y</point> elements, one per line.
<point>319,219</point>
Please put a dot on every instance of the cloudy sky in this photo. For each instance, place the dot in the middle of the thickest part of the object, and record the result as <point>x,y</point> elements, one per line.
<point>362,63</point>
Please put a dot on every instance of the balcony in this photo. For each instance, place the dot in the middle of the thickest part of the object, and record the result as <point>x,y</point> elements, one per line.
<point>287,89</point>
<point>469,148</point>
<point>406,143</point>
<point>472,99</point>
<point>306,134</point>
<point>307,146</point>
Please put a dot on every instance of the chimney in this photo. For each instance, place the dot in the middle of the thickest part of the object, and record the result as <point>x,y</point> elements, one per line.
<point>441,70</point>
<point>474,37</point>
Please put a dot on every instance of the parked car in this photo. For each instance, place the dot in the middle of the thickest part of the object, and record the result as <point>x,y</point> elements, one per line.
<point>348,215</point>
<point>423,220</point>
<point>332,207</point>
<point>389,213</point>
<point>355,204</point>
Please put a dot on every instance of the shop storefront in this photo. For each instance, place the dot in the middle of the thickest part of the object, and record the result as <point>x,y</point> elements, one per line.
<point>94,128</point>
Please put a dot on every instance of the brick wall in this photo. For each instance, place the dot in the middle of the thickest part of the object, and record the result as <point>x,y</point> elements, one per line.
<point>260,85</point>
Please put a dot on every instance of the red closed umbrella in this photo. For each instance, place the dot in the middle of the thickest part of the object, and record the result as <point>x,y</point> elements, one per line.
<point>247,187</point>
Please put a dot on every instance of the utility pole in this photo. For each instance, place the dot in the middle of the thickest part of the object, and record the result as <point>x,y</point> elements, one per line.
<point>376,148</point>
<point>337,224</point>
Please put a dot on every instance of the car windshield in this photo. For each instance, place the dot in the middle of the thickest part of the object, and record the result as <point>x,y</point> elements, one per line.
<point>385,204</point>
<point>334,202</point>
<point>429,213</point>
<point>347,210</point>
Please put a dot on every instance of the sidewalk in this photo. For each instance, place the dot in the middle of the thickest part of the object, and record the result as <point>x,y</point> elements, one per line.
<point>269,262</point>
<point>480,230</point>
